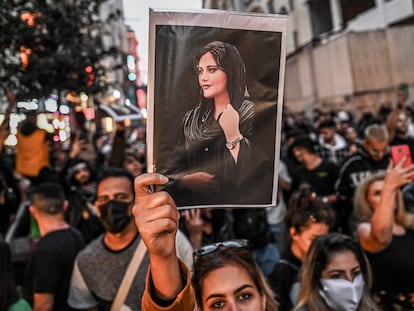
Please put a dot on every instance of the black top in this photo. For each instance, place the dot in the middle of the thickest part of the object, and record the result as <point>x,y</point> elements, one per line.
<point>50,268</point>
<point>393,271</point>
<point>282,278</point>
<point>353,171</point>
<point>322,178</point>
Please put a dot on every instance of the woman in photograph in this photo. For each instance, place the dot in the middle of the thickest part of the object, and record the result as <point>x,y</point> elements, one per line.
<point>216,150</point>
<point>335,276</point>
<point>385,232</point>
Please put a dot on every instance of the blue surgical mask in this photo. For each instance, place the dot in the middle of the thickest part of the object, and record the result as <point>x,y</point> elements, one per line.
<point>342,295</point>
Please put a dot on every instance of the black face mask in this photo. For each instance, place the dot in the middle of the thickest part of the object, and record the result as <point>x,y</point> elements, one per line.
<point>115,215</point>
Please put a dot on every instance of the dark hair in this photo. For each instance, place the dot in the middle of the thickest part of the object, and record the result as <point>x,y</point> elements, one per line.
<point>8,292</point>
<point>229,60</point>
<point>305,142</point>
<point>304,210</point>
<point>224,256</point>
<point>316,260</point>
<point>72,170</point>
<point>48,197</point>
<point>115,172</point>
<point>329,123</point>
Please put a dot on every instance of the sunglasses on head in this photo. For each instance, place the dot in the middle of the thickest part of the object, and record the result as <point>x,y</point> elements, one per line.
<point>211,248</point>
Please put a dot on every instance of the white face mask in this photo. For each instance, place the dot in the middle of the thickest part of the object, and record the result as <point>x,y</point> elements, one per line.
<point>342,295</point>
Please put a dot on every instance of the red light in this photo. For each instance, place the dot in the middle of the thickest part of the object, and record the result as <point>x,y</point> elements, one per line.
<point>89,69</point>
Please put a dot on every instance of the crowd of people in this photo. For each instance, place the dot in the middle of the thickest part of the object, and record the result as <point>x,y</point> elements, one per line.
<point>341,236</point>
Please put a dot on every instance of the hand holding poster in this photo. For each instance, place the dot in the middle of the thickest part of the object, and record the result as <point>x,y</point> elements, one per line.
<point>215,105</point>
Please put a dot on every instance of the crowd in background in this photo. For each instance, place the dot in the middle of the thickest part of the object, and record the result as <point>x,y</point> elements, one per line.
<point>336,174</point>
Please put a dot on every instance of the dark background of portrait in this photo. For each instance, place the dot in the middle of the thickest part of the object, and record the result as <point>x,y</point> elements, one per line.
<point>176,88</point>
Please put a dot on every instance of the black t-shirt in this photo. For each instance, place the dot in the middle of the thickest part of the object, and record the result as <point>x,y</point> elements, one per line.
<point>322,178</point>
<point>50,268</point>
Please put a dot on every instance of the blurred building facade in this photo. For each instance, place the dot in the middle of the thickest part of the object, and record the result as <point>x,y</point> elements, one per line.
<point>347,54</point>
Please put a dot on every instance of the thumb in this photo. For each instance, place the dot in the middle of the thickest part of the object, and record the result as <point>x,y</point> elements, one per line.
<point>143,182</point>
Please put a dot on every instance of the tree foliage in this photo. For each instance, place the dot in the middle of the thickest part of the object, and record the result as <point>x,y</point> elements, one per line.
<point>48,45</point>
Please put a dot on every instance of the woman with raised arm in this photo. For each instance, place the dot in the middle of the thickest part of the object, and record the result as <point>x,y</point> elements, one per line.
<point>385,232</point>
<point>226,276</point>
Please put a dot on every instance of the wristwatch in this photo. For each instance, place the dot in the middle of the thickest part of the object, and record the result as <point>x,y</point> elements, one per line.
<point>230,145</point>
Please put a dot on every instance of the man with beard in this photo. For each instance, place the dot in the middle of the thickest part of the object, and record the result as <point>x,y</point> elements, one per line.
<point>333,147</point>
<point>100,267</point>
<point>373,157</point>
<point>398,128</point>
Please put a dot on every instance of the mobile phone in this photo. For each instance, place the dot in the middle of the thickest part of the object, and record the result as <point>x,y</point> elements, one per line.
<point>398,152</point>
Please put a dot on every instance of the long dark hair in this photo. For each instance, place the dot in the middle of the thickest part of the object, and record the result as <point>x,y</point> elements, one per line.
<point>316,260</point>
<point>229,60</point>
<point>224,256</point>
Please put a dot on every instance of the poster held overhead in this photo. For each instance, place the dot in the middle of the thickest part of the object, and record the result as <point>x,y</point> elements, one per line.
<point>215,93</point>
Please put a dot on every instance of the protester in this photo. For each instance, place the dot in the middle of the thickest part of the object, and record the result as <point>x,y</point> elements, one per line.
<point>397,126</point>
<point>385,232</point>
<point>225,275</point>
<point>32,154</point>
<point>373,157</point>
<point>100,267</point>
<point>306,219</point>
<point>315,171</point>
<point>332,146</point>
<point>80,187</point>
<point>49,270</point>
<point>335,276</point>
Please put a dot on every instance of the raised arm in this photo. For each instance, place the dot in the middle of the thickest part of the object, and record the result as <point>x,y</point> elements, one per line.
<point>156,217</point>
<point>377,235</point>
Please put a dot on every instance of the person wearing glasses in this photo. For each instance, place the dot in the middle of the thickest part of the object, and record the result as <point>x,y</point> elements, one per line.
<point>225,274</point>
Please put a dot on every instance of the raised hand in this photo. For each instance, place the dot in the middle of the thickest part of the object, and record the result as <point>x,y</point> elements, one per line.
<point>156,215</point>
<point>229,121</point>
<point>398,175</point>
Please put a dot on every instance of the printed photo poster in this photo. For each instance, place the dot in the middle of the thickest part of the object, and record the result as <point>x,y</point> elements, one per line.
<point>215,94</point>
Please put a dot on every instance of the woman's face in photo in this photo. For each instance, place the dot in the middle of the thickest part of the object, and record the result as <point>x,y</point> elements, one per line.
<point>374,193</point>
<point>230,288</point>
<point>342,265</point>
<point>212,80</point>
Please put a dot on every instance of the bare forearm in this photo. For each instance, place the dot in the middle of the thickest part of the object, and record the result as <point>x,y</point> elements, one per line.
<point>166,277</point>
<point>383,218</point>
